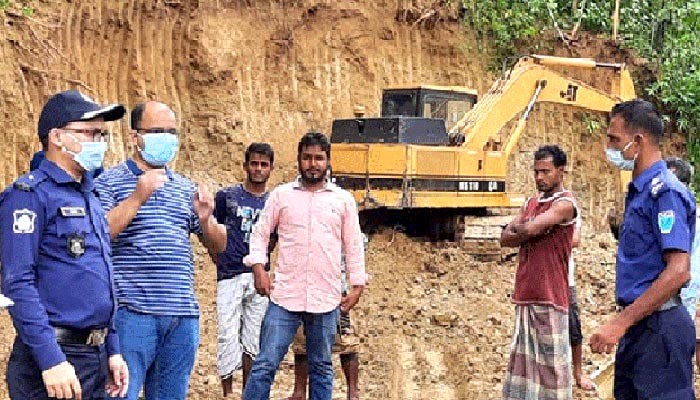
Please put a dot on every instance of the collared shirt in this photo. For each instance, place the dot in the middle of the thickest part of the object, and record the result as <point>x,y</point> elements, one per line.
<point>56,264</point>
<point>344,287</point>
<point>659,216</point>
<point>313,228</point>
<point>238,210</point>
<point>40,156</point>
<point>572,263</point>
<point>153,264</point>
<point>689,294</point>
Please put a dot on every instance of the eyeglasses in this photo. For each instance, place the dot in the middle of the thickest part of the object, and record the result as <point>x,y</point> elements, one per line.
<point>172,131</point>
<point>97,135</point>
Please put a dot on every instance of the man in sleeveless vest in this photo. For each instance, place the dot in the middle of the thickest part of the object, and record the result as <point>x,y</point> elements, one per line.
<point>540,358</point>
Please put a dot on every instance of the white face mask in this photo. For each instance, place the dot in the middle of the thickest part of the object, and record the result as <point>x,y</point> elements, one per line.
<point>617,159</point>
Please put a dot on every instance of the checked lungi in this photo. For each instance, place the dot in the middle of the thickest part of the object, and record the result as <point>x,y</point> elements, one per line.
<point>540,356</point>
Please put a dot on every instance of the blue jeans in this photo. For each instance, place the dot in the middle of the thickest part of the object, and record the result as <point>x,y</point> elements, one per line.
<point>159,351</point>
<point>278,329</point>
<point>24,379</point>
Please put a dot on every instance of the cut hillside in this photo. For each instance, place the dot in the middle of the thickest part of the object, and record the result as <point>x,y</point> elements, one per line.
<point>434,323</point>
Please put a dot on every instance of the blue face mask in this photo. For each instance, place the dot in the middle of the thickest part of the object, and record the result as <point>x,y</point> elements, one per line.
<point>159,148</point>
<point>91,154</point>
<point>617,159</point>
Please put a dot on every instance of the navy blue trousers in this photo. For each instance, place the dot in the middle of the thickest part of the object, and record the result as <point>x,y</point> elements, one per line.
<point>24,376</point>
<point>654,359</point>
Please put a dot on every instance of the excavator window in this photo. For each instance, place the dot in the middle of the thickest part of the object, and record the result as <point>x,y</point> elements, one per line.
<point>400,103</point>
<point>449,106</point>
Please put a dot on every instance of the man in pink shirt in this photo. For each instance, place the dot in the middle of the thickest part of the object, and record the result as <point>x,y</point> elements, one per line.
<point>315,220</point>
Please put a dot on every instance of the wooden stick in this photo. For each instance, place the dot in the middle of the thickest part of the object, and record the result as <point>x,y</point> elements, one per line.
<point>616,20</point>
<point>577,25</point>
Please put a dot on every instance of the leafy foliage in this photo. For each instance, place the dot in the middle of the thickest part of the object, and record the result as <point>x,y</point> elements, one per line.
<point>24,6</point>
<point>665,32</point>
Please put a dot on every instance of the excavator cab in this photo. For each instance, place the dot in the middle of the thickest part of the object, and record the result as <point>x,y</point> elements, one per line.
<point>447,103</point>
<point>412,115</point>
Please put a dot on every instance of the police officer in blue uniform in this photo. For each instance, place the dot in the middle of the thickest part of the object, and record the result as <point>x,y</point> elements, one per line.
<point>654,334</point>
<point>56,267</point>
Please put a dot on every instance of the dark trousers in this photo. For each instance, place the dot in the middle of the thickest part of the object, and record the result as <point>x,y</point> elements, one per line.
<point>654,359</point>
<point>24,376</point>
<point>575,333</point>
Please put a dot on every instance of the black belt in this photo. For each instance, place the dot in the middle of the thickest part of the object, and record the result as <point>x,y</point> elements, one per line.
<point>90,337</point>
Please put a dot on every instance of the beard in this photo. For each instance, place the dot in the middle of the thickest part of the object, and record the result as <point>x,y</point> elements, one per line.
<point>547,189</point>
<point>308,177</point>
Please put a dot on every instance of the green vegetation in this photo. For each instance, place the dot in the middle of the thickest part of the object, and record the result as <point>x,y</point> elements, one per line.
<point>24,6</point>
<point>665,32</point>
<point>27,11</point>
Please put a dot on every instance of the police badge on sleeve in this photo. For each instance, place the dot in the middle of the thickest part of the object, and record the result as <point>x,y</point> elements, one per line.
<point>666,220</point>
<point>23,221</point>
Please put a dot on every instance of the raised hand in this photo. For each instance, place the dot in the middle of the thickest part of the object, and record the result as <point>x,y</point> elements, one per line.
<point>203,202</point>
<point>149,182</point>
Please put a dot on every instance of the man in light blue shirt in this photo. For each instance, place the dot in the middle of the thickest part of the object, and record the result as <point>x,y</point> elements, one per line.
<point>689,294</point>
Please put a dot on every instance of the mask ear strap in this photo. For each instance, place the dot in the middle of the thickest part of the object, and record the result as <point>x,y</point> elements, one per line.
<point>640,142</point>
<point>137,141</point>
<point>58,134</point>
<point>75,139</point>
<point>628,145</point>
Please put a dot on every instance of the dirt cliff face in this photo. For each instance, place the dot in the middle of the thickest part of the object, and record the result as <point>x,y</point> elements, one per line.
<point>244,71</point>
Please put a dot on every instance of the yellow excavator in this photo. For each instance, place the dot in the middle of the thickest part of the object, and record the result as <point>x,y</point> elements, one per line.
<point>436,160</point>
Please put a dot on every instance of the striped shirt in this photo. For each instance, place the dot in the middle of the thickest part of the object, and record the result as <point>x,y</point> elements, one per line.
<point>152,257</point>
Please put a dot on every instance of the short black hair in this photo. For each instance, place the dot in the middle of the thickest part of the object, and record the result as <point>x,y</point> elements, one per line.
<point>641,115</point>
<point>683,170</point>
<point>551,150</point>
<point>263,149</point>
<point>44,142</point>
<point>137,115</point>
<point>315,139</point>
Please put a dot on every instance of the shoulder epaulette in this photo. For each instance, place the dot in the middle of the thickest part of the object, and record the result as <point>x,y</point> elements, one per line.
<point>657,186</point>
<point>28,181</point>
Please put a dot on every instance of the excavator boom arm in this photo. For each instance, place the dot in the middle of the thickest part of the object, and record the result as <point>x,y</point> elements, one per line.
<point>482,125</point>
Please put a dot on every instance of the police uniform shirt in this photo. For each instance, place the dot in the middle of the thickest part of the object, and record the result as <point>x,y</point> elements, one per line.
<point>56,263</point>
<point>659,216</point>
